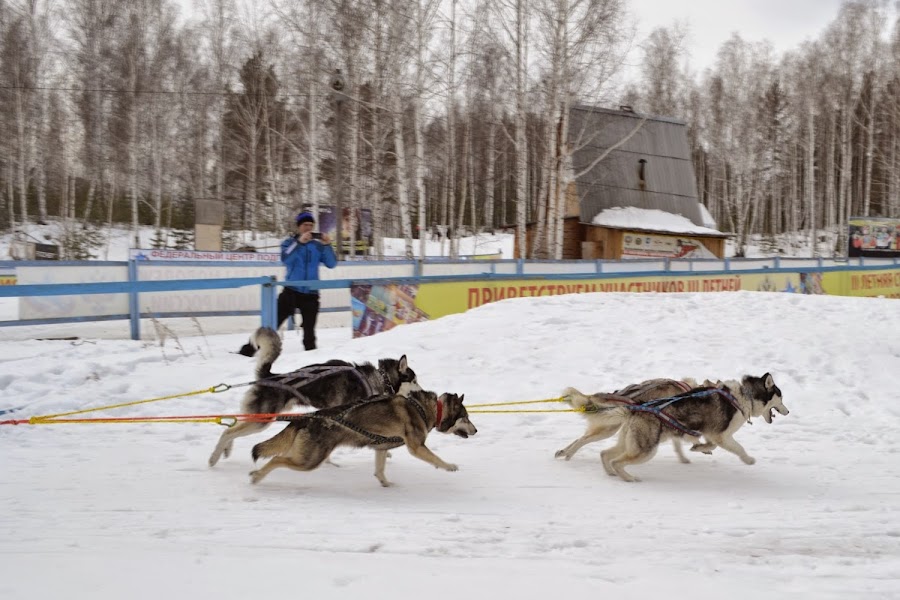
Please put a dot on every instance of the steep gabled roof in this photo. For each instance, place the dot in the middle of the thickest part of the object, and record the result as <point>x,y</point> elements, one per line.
<point>661,142</point>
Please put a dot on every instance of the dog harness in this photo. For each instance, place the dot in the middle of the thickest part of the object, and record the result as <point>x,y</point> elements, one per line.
<point>375,438</point>
<point>655,407</point>
<point>295,381</point>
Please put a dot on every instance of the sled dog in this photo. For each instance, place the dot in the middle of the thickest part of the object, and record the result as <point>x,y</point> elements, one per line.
<point>602,425</point>
<point>715,412</point>
<point>332,383</point>
<point>381,423</point>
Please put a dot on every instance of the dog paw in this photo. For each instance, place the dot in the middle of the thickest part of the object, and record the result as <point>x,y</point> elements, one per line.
<point>684,460</point>
<point>562,454</point>
<point>385,483</point>
<point>213,460</point>
<point>255,477</point>
<point>748,460</point>
<point>704,448</point>
<point>451,467</point>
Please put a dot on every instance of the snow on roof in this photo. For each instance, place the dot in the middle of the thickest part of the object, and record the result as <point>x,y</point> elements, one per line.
<point>649,220</point>
<point>708,221</point>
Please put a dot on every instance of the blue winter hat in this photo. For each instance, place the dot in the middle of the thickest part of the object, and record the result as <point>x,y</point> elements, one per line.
<point>305,217</point>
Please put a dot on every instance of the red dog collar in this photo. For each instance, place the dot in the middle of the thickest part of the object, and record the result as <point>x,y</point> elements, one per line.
<point>440,412</point>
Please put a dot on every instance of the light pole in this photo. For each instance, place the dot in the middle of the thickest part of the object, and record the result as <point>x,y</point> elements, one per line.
<point>337,86</point>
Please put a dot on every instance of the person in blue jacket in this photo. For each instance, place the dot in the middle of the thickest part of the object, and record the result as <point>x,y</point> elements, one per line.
<point>302,253</point>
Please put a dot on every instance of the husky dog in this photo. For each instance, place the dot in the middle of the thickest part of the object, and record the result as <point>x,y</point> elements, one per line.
<point>332,383</point>
<point>716,413</point>
<point>602,424</point>
<point>381,423</point>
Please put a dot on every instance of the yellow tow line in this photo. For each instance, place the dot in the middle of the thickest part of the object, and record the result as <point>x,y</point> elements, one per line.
<point>229,420</point>
<point>56,418</point>
<point>476,408</point>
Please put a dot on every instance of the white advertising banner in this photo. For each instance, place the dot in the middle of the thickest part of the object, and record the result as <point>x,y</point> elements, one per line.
<point>84,305</point>
<point>647,245</point>
<point>201,255</point>
<point>230,299</point>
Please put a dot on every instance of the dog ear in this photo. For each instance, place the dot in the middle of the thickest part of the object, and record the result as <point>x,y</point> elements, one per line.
<point>770,381</point>
<point>461,398</point>
<point>401,365</point>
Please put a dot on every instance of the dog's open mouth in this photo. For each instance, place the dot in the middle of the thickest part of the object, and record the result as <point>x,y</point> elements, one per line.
<point>461,433</point>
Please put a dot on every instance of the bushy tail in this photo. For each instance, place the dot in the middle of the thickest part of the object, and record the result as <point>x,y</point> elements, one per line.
<point>576,399</point>
<point>603,407</point>
<point>279,444</point>
<point>268,346</point>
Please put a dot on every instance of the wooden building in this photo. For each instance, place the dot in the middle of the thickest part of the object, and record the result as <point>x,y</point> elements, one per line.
<point>648,167</point>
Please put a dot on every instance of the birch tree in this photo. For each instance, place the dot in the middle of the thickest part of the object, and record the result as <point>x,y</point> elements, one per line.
<point>512,18</point>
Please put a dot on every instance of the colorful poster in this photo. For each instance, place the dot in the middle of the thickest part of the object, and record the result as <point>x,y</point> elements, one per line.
<point>363,226</point>
<point>649,245</point>
<point>378,308</point>
<point>7,276</point>
<point>874,237</point>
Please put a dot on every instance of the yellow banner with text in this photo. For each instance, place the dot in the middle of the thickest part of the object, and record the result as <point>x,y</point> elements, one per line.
<point>378,308</point>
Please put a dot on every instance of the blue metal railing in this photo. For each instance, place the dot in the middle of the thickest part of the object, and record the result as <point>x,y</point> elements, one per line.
<point>268,284</point>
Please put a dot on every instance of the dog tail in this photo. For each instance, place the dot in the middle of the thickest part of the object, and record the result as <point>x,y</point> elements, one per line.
<point>278,444</point>
<point>576,399</point>
<point>599,401</point>
<point>268,346</point>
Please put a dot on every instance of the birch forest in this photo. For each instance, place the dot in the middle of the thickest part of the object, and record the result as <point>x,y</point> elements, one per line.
<point>453,113</point>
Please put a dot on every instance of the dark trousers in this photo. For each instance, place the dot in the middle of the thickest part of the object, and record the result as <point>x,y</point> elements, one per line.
<point>290,300</point>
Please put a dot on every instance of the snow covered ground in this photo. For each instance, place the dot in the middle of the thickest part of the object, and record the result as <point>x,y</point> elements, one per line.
<point>132,511</point>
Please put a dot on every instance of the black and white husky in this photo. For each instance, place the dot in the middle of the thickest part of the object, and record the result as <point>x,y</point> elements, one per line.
<point>324,385</point>
<point>714,412</point>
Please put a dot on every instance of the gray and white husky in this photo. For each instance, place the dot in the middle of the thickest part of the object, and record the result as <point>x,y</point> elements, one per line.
<point>714,412</point>
<point>380,423</point>
<point>601,427</point>
<point>324,385</point>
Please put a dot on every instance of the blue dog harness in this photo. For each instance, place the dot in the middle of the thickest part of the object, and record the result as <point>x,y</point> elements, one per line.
<point>656,407</point>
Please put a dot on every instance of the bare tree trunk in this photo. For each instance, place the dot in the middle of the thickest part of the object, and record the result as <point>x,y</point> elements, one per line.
<point>21,163</point>
<point>39,34</point>
<point>11,194</point>
<point>503,182</point>
<point>869,151</point>
<point>274,172</point>
<point>489,173</point>
<point>810,182</point>
<point>424,16</point>
<point>131,150</point>
<point>473,219</point>
<point>830,166</point>
<point>451,134</point>
<point>464,179</point>
<point>157,163</point>
<point>521,149</point>
<point>402,185</point>
<point>564,171</point>
<point>844,200</point>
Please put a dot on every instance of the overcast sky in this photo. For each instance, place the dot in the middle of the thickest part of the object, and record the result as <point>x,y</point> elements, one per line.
<point>785,23</point>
